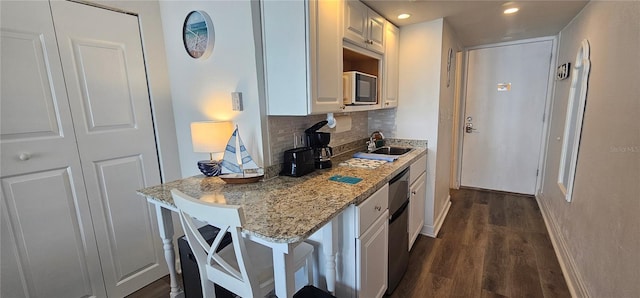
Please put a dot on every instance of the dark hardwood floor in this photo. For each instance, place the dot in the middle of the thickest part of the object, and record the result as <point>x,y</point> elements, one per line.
<point>490,245</point>
<point>157,289</point>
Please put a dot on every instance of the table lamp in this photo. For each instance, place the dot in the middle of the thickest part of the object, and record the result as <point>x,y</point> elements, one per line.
<point>210,137</point>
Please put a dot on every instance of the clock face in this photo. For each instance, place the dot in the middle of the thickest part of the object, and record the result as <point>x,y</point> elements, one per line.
<point>197,34</point>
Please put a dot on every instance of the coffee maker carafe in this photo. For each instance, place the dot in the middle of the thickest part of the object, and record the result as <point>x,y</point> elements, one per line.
<point>319,141</point>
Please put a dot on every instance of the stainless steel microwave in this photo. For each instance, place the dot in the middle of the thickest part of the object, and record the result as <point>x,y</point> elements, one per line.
<point>359,88</point>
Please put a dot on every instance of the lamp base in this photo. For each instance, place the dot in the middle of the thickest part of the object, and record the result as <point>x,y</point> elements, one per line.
<point>209,168</point>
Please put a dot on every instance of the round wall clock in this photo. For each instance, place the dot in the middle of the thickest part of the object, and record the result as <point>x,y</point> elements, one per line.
<point>198,34</point>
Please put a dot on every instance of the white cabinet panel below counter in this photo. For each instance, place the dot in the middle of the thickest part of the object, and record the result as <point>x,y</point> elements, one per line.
<point>417,199</point>
<point>364,247</point>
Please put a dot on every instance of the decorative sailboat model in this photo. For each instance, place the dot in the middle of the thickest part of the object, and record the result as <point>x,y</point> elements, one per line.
<point>237,165</point>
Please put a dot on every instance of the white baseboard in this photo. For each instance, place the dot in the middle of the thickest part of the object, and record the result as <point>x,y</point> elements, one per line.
<point>432,230</point>
<point>572,276</point>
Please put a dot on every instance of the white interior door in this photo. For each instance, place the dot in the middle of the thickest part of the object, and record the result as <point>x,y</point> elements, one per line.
<point>48,248</point>
<point>505,99</point>
<point>103,64</point>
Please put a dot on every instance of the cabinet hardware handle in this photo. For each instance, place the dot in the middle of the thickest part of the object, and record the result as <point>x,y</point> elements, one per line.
<point>378,208</point>
<point>342,107</point>
<point>413,192</point>
<point>386,103</point>
<point>24,156</point>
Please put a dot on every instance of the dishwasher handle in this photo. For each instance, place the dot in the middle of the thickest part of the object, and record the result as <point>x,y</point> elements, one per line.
<point>393,217</point>
<point>404,174</point>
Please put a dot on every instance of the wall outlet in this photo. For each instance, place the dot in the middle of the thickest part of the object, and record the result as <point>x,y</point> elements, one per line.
<point>236,101</point>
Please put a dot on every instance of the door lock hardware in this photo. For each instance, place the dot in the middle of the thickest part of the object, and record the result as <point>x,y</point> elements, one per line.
<point>468,128</point>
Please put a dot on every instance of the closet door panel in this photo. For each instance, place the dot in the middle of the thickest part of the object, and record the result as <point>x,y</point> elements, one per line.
<point>102,59</point>
<point>32,111</point>
<point>47,243</point>
<point>36,131</point>
<point>124,218</point>
<point>46,237</point>
<point>105,91</point>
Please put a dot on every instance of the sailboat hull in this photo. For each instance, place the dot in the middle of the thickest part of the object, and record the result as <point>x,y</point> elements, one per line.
<point>239,179</point>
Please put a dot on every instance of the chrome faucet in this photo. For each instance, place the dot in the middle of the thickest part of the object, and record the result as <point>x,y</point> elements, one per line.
<point>375,136</point>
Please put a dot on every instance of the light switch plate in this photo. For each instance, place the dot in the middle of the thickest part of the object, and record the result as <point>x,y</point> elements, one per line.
<point>236,101</point>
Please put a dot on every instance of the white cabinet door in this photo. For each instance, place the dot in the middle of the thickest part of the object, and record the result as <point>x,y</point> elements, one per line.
<point>416,208</point>
<point>47,243</point>
<point>363,26</point>
<point>372,261</point>
<point>103,65</point>
<point>302,46</point>
<point>325,56</point>
<point>356,22</point>
<point>391,66</point>
<point>285,57</point>
<point>376,32</point>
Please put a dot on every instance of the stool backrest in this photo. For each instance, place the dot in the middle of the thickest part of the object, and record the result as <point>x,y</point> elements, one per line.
<point>234,274</point>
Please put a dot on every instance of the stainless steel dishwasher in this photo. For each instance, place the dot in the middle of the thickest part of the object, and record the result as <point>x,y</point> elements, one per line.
<point>398,235</point>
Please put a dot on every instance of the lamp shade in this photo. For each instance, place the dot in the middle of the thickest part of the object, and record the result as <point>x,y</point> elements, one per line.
<point>209,136</point>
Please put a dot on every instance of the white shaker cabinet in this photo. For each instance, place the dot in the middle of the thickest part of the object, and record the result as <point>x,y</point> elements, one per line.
<point>373,249</point>
<point>364,247</point>
<point>363,26</point>
<point>417,200</point>
<point>416,208</point>
<point>302,51</point>
<point>391,66</point>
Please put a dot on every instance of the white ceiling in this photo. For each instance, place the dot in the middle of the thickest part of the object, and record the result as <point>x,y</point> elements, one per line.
<point>481,22</point>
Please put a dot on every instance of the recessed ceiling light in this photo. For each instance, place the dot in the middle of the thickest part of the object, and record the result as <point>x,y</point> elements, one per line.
<point>403,16</point>
<point>511,10</point>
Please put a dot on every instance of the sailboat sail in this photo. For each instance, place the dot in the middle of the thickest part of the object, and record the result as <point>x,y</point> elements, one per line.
<point>236,158</point>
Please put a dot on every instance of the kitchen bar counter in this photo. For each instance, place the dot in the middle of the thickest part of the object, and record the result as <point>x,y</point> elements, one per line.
<point>280,212</point>
<point>288,209</point>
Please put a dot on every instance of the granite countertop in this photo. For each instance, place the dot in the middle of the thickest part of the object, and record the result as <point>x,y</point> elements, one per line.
<point>288,209</point>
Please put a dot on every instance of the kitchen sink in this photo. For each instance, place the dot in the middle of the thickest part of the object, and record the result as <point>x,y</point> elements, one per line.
<point>391,150</point>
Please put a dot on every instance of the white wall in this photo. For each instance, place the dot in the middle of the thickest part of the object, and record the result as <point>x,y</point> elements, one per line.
<point>445,120</point>
<point>201,89</point>
<point>598,233</point>
<point>419,94</point>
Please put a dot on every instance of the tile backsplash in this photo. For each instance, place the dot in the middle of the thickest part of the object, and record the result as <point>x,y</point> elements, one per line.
<point>283,128</point>
<point>384,121</point>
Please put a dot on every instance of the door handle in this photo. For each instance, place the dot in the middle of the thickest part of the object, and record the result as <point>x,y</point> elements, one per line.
<point>468,128</point>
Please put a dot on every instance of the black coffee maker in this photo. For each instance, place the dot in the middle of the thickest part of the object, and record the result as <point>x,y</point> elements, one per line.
<point>319,141</point>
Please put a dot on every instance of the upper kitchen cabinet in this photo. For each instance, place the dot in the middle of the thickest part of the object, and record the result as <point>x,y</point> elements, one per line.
<point>391,66</point>
<point>363,26</point>
<point>302,46</point>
